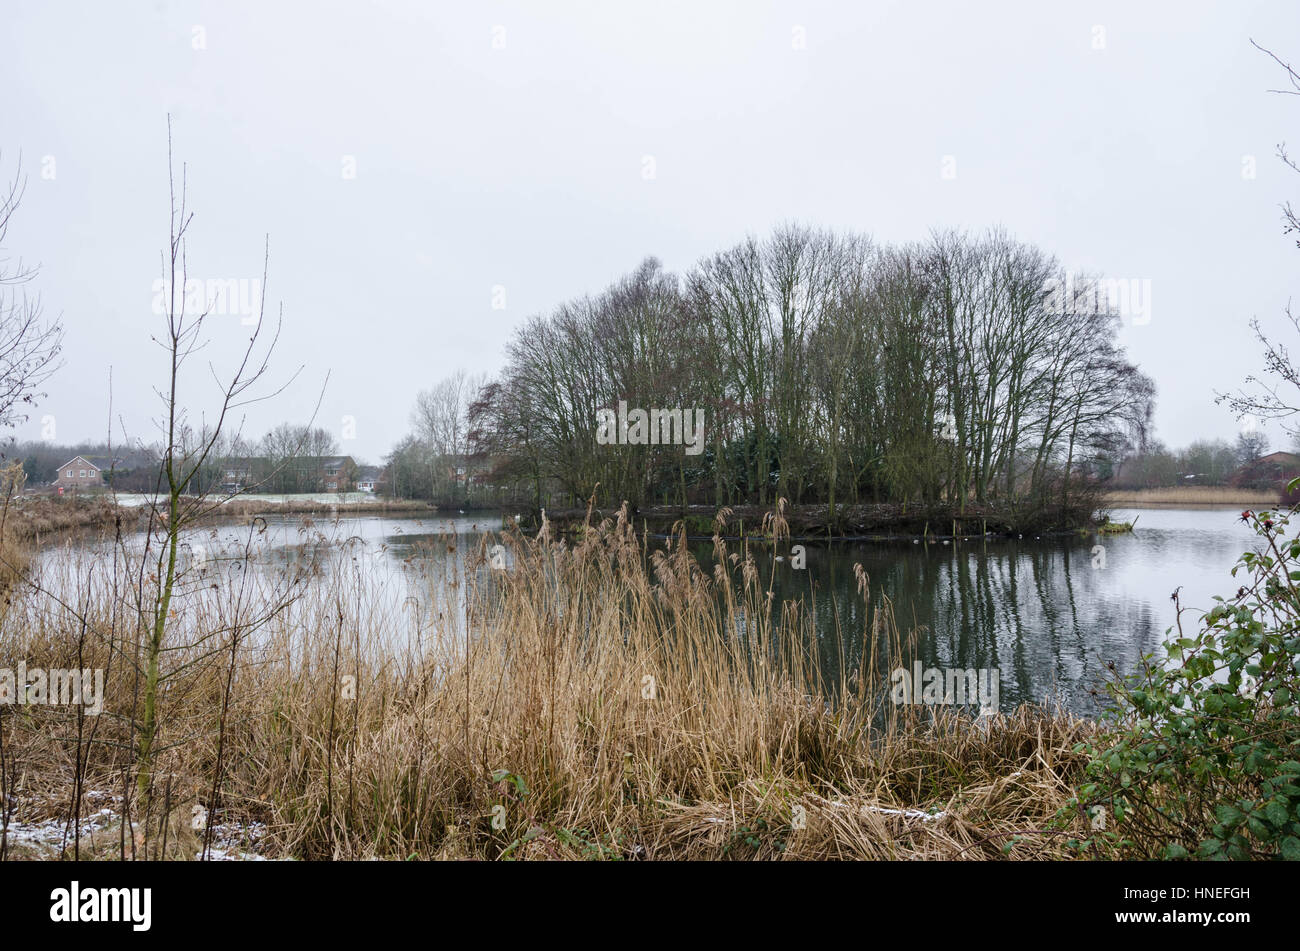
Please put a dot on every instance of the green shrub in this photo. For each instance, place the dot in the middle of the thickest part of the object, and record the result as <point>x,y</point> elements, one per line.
<point>1201,757</point>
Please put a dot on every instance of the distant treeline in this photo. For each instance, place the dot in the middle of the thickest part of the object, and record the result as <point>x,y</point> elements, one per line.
<point>829,369</point>
<point>1205,462</point>
<point>284,460</point>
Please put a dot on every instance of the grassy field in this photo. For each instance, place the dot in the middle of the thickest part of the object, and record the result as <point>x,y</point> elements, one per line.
<point>1193,495</point>
<point>573,705</point>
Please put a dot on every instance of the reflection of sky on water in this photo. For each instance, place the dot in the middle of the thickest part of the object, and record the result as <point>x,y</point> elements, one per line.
<point>1045,612</point>
<point>1036,609</point>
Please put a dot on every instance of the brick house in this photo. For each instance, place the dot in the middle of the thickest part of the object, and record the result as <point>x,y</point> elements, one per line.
<point>81,472</point>
<point>337,473</point>
<point>299,474</point>
<point>238,472</point>
<point>1267,472</point>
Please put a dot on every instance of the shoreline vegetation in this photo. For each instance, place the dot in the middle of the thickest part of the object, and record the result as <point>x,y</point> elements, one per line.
<point>1193,495</point>
<point>594,699</point>
<point>645,714</point>
<point>39,518</point>
<point>36,519</point>
<point>883,522</point>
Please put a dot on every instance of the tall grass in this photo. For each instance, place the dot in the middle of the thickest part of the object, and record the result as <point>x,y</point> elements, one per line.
<point>1192,495</point>
<point>606,699</point>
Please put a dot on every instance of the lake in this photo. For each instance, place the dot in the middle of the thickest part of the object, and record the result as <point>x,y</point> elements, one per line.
<point>1047,613</point>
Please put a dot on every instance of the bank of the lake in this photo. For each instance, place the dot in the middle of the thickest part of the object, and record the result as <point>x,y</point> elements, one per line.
<point>885,520</point>
<point>1048,612</point>
<point>764,729</point>
<point>40,518</point>
<point>1190,495</point>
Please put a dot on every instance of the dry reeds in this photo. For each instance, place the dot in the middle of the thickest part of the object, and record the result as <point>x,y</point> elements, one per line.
<point>1192,495</point>
<point>599,700</point>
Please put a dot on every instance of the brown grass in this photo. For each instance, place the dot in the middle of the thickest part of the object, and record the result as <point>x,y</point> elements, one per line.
<point>38,518</point>
<point>510,715</point>
<point>1192,495</point>
<point>253,505</point>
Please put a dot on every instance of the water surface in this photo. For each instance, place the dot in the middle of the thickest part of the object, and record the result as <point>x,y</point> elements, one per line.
<point>1047,613</point>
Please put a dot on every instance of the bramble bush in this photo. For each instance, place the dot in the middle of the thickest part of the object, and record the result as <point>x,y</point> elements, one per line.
<point>1200,756</point>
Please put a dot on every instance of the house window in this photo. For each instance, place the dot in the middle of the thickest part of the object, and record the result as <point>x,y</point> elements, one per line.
<point>69,473</point>
<point>82,474</point>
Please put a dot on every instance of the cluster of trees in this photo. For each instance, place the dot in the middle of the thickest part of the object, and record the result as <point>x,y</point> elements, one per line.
<point>286,458</point>
<point>830,369</point>
<point>435,460</point>
<point>1205,462</point>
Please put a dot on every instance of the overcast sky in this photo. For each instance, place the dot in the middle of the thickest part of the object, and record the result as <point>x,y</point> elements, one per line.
<point>408,159</point>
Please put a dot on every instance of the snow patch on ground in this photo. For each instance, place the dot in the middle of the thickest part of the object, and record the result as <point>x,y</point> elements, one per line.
<point>885,810</point>
<point>50,832</point>
<point>909,813</point>
<point>231,841</point>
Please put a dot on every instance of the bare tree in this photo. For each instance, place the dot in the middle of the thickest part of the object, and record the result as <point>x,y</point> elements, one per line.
<point>1251,445</point>
<point>178,505</point>
<point>292,456</point>
<point>441,420</point>
<point>29,344</point>
<point>1276,394</point>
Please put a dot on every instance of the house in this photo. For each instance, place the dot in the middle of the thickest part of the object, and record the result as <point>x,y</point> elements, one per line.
<point>134,470</point>
<point>1267,472</point>
<point>464,472</point>
<point>286,475</point>
<point>336,473</point>
<point>313,474</point>
<point>83,472</point>
<point>369,478</point>
<point>237,472</point>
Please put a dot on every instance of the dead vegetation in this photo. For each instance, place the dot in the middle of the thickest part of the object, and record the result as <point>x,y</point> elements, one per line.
<point>1192,495</point>
<point>592,700</point>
